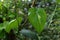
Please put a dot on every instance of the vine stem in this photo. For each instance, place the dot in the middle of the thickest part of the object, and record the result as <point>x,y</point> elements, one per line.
<point>52,15</point>
<point>33,2</point>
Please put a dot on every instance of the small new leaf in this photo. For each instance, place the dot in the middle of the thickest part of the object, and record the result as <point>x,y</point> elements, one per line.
<point>13,24</point>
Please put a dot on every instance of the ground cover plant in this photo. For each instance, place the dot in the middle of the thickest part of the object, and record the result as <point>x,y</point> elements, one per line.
<point>29,19</point>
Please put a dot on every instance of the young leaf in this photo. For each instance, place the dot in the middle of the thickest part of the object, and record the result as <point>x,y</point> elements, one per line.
<point>13,24</point>
<point>37,18</point>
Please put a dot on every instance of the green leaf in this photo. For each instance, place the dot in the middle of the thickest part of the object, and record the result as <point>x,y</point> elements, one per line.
<point>13,24</point>
<point>29,34</point>
<point>58,1</point>
<point>37,18</point>
<point>3,25</point>
<point>0,5</point>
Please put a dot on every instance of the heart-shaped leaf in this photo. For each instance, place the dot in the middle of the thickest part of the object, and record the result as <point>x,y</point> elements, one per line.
<point>37,17</point>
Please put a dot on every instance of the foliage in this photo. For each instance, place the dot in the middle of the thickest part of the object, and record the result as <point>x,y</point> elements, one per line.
<point>29,19</point>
